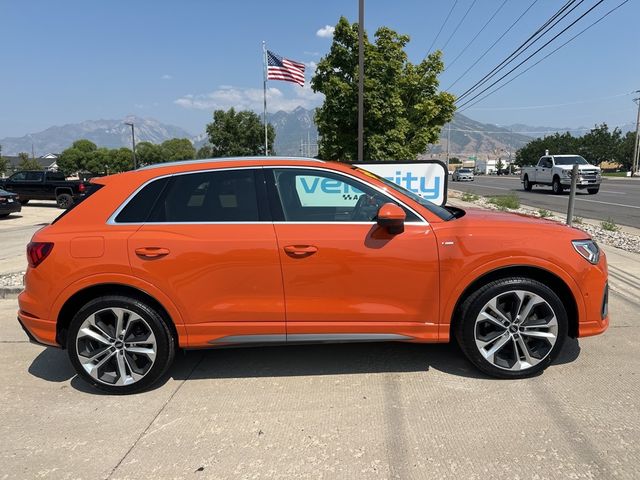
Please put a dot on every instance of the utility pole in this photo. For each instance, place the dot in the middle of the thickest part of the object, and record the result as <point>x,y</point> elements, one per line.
<point>133,144</point>
<point>448,143</point>
<point>360,81</point>
<point>636,146</point>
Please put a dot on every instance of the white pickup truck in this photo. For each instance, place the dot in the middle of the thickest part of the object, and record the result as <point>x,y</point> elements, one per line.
<point>555,170</point>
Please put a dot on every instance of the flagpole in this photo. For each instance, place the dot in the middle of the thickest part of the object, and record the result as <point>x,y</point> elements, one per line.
<point>264,84</point>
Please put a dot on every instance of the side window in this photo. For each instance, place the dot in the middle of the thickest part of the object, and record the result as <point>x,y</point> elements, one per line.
<point>35,176</point>
<point>139,207</point>
<point>19,177</point>
<point>316,196</point>
<point>55,176</point>
<point>222,196</point>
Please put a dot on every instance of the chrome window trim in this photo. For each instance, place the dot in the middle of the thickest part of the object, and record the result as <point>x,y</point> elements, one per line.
<point>384,192</point>
<point>229,159</point>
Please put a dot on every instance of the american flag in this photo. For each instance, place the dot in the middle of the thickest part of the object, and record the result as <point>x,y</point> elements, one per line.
<point>280,68</point>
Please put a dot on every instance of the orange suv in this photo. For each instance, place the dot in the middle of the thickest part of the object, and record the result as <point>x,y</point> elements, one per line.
<point>212,253</point>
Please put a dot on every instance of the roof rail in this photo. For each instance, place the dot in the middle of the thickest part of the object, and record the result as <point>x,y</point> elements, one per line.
<point>229,159</point>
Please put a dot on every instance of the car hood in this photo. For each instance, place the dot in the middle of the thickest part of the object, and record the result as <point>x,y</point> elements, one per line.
<point>512,224</point>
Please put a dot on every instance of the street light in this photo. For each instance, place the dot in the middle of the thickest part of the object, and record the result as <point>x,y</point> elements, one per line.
<point>133,143</point>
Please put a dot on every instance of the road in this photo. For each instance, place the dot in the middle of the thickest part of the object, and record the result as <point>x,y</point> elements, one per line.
<point>617,199</point>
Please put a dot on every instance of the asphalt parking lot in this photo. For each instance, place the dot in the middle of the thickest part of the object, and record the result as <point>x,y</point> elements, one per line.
<point>331,411</point>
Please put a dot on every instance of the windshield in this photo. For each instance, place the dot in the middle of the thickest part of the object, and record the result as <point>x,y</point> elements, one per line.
<point>441,212</point>
<point>572,160</point>
<point>464,170</point>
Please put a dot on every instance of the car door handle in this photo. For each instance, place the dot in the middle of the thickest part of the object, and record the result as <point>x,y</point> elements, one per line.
<point>300,250</point>
<point>151,252</point>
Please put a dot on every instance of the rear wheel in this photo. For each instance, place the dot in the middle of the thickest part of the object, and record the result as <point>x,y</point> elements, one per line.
<point>64,200</point>
<point>23,201</point>
<point>4,215</point>
<point>512,328</point>
<point>593,191</point>
<point>556,186</point>
<point>527,184</point>
<point>120,344</point>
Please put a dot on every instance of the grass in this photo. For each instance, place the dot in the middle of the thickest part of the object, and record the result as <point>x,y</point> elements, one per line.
<point>609,225</point>
<point>615,174</point>
<point>544,213</point>
<point>505,202</point>
<point>469,197</point>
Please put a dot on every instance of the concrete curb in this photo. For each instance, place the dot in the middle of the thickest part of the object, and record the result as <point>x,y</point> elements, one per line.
<point>10,292</point>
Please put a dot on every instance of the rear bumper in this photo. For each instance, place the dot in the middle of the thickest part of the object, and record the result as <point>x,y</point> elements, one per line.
<point>42,332</point>
<point>13,207</point>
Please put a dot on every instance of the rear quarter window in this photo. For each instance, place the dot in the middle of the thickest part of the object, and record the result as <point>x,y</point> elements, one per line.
<point>141,205</point>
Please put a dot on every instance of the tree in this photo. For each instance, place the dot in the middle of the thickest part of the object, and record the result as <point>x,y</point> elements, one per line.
<point>205,152</point>
<point>177,149</point>
<point>600,144</point>
<point>558,143</point>
<point>27,163</point>
<point>625,150</point>
<point>120,160</point>
<point>77,157</point>
<point>403,109</point>
<point>238,134</point>
<point>148,153</point>
<point>4,163</point>
<point>499,165</point>
<point>454,160</point>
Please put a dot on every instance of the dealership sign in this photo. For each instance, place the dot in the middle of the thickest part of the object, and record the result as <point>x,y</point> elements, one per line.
<point>427,178</point>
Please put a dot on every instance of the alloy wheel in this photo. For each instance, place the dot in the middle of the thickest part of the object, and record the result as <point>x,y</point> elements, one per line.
<point>116,346</point>
<point>516,330</point>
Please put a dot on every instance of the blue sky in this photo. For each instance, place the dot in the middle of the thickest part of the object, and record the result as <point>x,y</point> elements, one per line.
<point>69,61</point>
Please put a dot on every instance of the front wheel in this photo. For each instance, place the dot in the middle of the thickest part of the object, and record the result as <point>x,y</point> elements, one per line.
<point>119,344</point>
<point>512,328</point>
<point>593,191</point>
<point>527,184</point>
<point>556,186</point>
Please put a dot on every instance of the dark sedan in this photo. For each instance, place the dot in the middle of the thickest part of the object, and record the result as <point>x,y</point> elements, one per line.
<point>8,203</point>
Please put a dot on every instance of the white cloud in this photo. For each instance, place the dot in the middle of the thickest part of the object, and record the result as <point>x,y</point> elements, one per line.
<point>325,32</point>
<point>166,76</point>
<point>228,96</point>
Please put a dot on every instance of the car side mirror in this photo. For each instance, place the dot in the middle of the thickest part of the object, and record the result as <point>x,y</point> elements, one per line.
<point>391,217</point>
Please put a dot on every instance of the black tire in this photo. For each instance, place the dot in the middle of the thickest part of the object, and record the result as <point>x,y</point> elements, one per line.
<point>4,215</point>
<point>165,344</point>
<point>23,201</point>
<point>593,191</point>
<point>64,201</point>
<point>556,186</point>
<point>467,326</point>
<point>527,184</point>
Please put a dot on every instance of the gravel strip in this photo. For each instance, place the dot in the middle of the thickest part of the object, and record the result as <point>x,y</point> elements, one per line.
<point>619,239</point>
<point>11,280</point>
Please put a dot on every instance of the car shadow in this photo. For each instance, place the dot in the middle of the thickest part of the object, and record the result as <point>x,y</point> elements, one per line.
<point>41,203</point>
<point>53,365</point>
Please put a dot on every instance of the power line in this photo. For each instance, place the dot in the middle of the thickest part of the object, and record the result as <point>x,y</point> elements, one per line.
<point>552,105</point>
<point>477,34</point>
<point>543,58</point>
<point>493,44</point>
<point>441,27</point>
<point>458,26</point>
<point>560,15</point>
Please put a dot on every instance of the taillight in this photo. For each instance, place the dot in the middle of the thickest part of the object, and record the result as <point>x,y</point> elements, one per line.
<point>37,252</point>
<point>81,188</point>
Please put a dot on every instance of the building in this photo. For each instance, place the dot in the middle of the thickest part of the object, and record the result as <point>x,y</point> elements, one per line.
<point>47,162</point>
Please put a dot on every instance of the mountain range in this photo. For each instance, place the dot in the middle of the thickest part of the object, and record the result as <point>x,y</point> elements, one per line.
<point>296,134</point>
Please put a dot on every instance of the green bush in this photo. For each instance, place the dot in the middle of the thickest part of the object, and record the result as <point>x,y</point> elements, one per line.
<point>469,197</point>
<point>609,225</point>
<point>544,213</point>
<point>505,202</point>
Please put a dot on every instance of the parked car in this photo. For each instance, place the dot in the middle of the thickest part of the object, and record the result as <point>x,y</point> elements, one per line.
<point>462,175</point>
<point>555,170</point>
<point>44,185</point>
<point>8,203</point>
<point>211,253</point>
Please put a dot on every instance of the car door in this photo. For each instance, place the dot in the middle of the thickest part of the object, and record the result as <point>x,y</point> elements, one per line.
<point>544,170</point>
<point>344,277</point>
<point>210,246</point>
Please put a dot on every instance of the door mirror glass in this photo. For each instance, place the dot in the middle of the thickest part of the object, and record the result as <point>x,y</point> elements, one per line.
<point>391,217</point>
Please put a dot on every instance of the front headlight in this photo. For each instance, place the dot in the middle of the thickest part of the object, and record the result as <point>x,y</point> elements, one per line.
<point>566,173</point>
<point>587,249</point>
